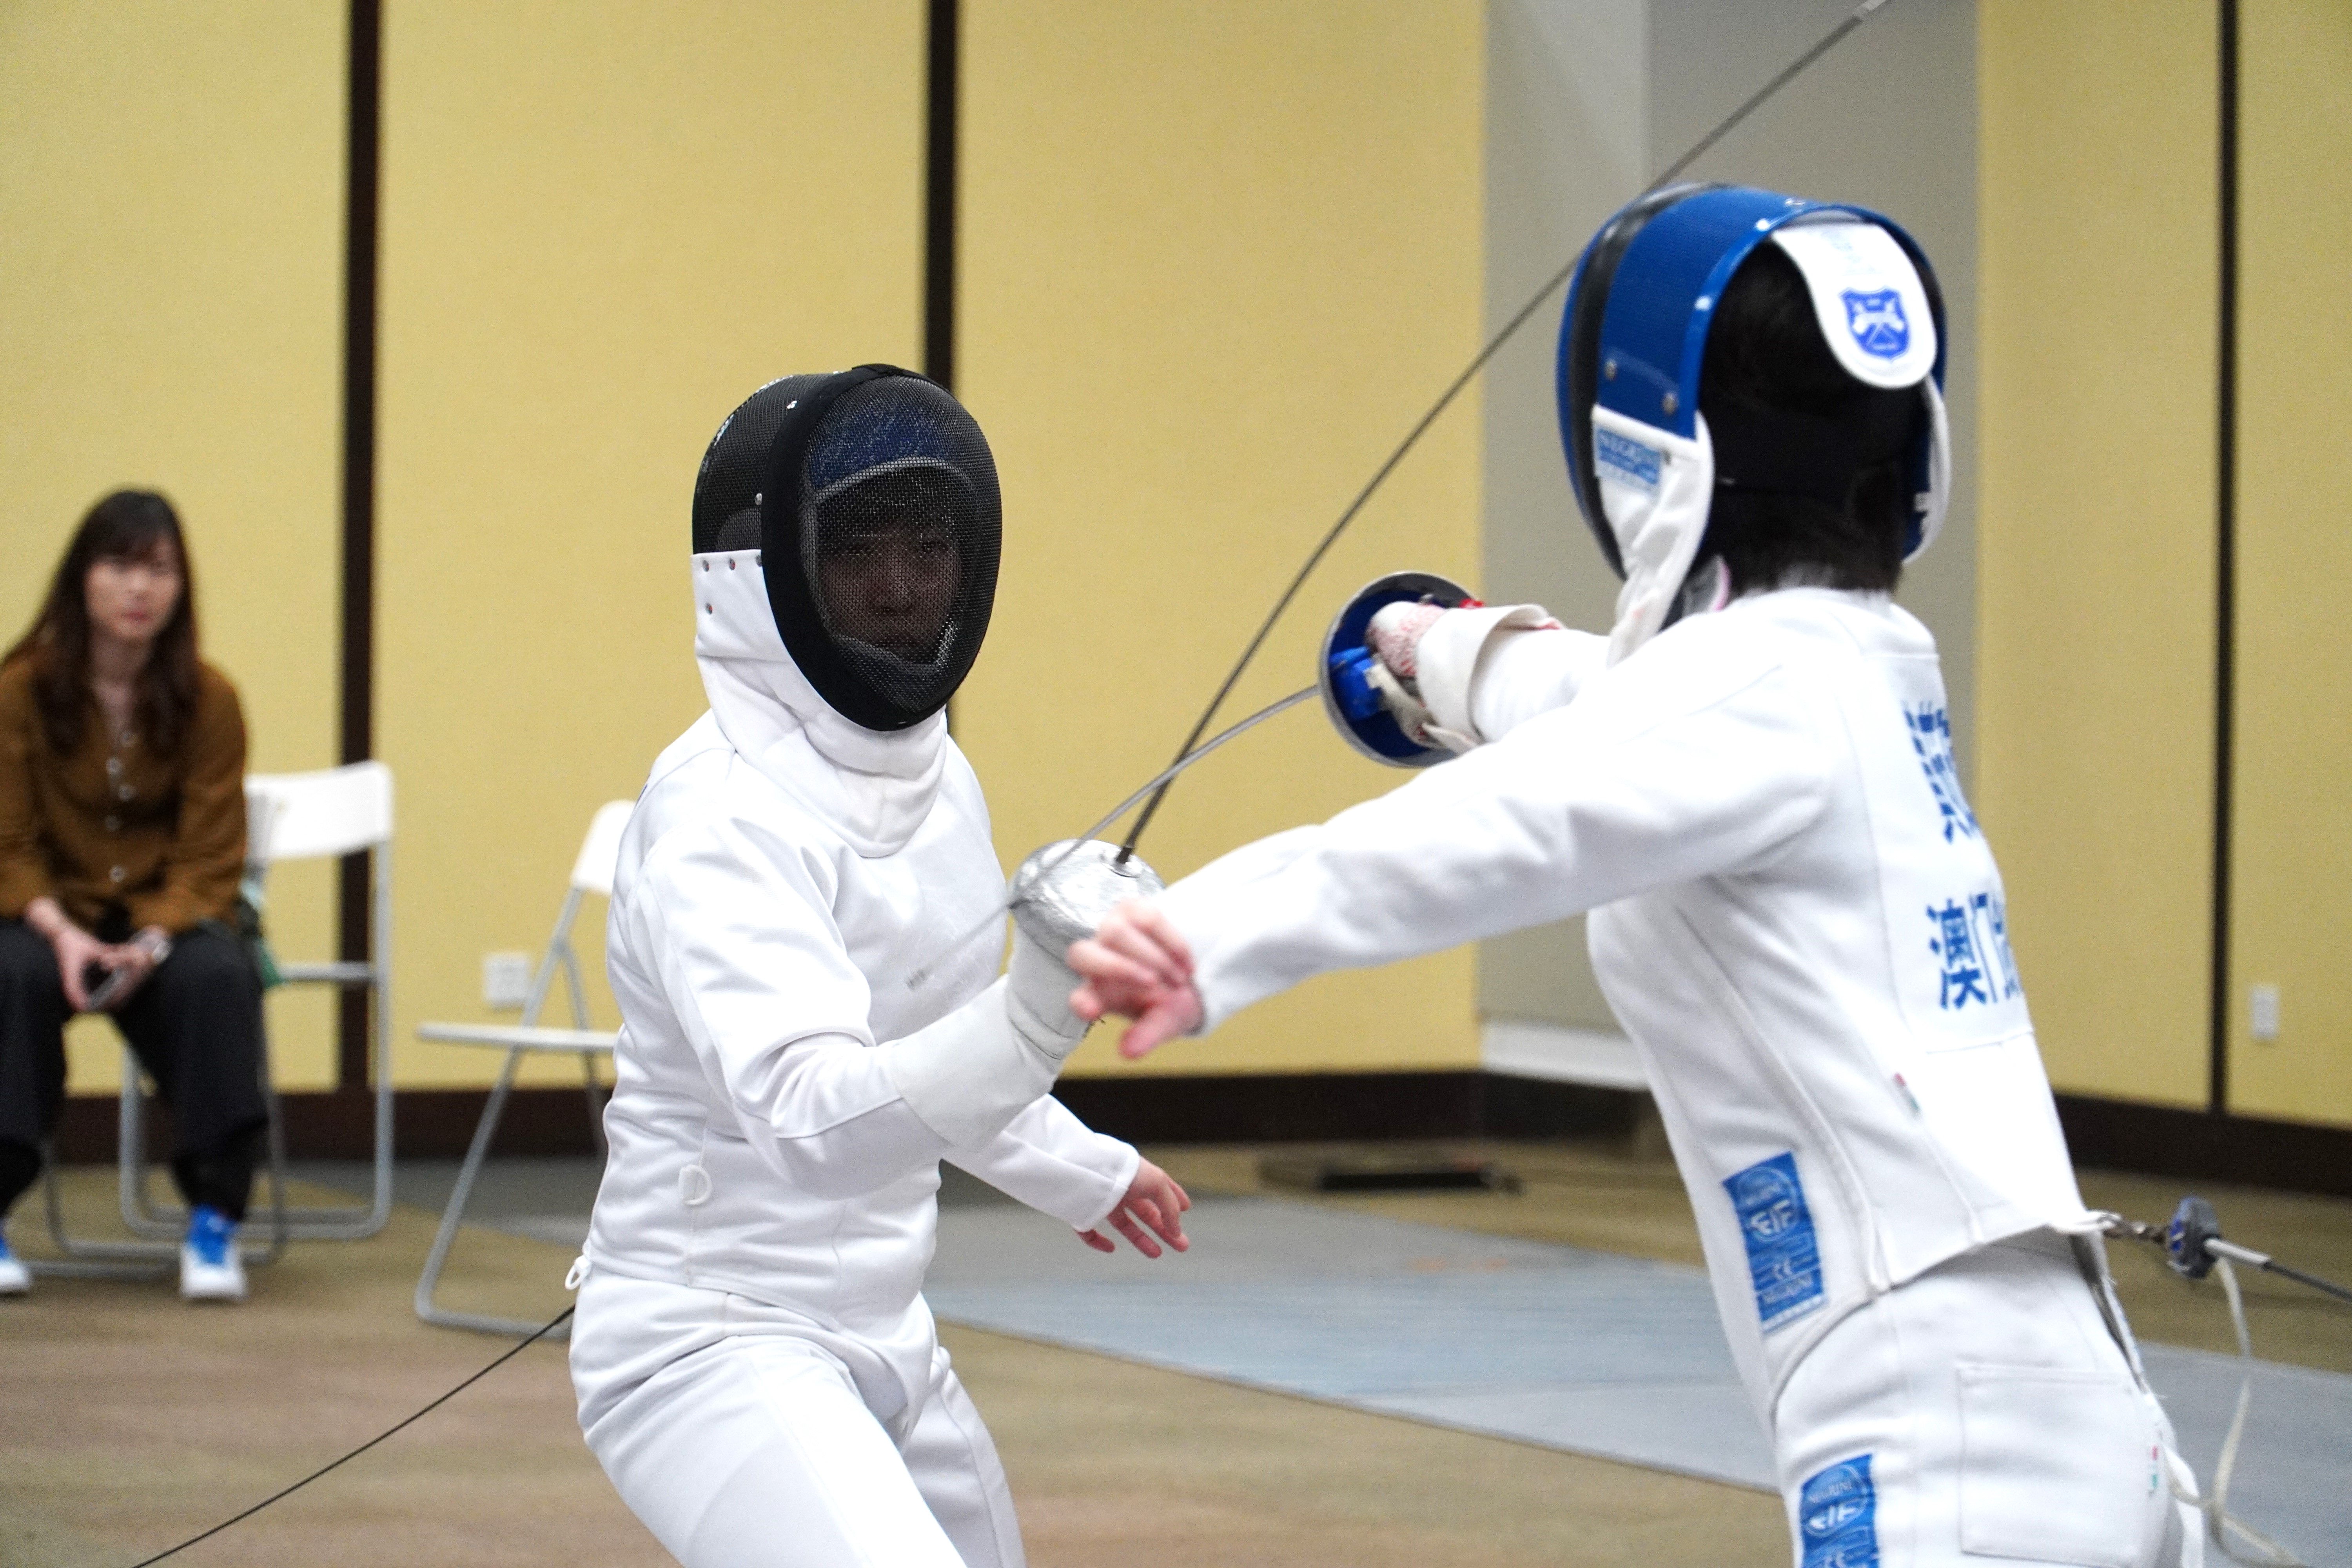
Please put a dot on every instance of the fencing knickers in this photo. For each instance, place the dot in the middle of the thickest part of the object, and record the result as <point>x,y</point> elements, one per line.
<point>1983,1412</point>
<point>757,1450</point>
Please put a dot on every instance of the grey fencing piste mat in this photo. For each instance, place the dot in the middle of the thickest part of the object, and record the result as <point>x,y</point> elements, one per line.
<point>1587,1352</point>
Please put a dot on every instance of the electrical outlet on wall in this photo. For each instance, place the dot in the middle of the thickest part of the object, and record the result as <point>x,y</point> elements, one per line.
<point>2264,1013</point>
<point>506,981</point>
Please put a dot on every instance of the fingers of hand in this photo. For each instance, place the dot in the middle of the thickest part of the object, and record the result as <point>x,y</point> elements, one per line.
<point>1098,1241</point>
<point>1097,998</point>
<point>1161,1215</point>
<point>1170,1014</point>
<point>1135,1234</point>
<point>1154,922</point>
<point>1100,960</point>
<point>1145,1035</point>
<point>1146,950</point>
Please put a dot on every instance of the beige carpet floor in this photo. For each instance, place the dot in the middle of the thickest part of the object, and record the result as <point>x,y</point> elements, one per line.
<point>1598,1196</point>
<point>128,1420</point>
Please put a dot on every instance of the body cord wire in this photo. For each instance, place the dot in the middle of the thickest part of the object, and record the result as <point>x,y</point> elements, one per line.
<point>533,1338</point>
<point>1019,889</point>
<point>1191,757</point>
<point>2219,1521</point>
<point>1187,755</point>
<point>1519,317</point>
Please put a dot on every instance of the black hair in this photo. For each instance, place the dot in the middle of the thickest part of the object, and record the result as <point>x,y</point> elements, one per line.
<point>128,525</point>
<point>1812,466</point>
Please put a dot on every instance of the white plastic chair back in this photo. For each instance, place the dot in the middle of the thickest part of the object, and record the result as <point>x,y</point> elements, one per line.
<point>260,815</point>
<point>331,812</point>
<point>600,853</point>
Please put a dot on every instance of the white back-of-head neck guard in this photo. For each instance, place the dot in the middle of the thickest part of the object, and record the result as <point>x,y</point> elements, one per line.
<point>872,787</point>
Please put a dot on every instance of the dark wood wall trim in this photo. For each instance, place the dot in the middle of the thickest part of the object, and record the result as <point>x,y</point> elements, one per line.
<point>428,1124</point>
<point>2105,1134</point>
<point>2225,562</point>
<point>2159,1141</point>
<point>362,166</point>
<point>943,85</point>
<point>1327,1107</point>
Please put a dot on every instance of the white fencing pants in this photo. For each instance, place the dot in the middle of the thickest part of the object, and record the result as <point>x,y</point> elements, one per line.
<point>1985,1413</point>
<point>758,1451</point>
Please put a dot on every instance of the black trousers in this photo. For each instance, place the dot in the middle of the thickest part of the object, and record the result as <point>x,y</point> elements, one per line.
<point>196,1026</point>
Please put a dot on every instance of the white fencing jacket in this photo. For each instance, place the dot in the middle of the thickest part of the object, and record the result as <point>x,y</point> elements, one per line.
<point>1794,915</point>
<point>783,873</point>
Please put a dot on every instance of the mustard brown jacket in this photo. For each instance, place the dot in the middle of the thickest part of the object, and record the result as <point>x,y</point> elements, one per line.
<point>117,823</point>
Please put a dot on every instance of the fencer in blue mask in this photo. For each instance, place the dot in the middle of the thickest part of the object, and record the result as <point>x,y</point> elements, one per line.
<point>756,1369</point>
<point>1749,783</point>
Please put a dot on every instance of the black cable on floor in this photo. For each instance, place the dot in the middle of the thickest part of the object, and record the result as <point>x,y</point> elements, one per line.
<point>550,1327</point>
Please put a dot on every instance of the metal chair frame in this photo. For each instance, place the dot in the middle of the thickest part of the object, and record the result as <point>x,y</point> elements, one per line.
<point>153,1260</point>
<point>333,1222</point>
<point>591,873</point>
<point>156,1258</point>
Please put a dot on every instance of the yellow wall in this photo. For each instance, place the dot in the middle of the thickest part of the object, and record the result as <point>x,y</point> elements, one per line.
<point>171,240</point>
<point>2096,534</point>
<point>602,229</point>
<point>2292,842</point>
<point>1216,260</point>
<point>1213,260</point>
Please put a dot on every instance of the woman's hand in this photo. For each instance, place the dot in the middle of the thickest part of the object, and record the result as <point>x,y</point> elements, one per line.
<point>1136,966</point>
<point>75,949</point>
<point>1155,1199</point>
<point>134,961</point>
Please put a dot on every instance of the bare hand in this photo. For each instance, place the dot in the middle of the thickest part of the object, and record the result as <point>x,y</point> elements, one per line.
<point>1155,1199</point>
<point>76,950</point>
<point>1136,966</point>
<point>134,961</point>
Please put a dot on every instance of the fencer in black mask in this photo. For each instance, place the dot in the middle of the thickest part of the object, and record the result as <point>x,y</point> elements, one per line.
<point>871,498</point>
<point>756,1368</point>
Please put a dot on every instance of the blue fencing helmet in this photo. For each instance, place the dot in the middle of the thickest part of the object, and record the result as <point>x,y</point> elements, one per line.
<point>1647,464</point>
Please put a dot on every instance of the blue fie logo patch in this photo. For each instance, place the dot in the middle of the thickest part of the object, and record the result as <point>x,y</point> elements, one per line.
<point>1837,1510</point>
<point>1784,1258</point>
<point>1877,322</point>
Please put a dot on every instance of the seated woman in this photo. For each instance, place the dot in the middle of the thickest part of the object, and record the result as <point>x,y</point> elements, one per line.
<point>121,842</point>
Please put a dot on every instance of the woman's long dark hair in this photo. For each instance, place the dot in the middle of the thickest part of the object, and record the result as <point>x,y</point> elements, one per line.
<point>128,525</point>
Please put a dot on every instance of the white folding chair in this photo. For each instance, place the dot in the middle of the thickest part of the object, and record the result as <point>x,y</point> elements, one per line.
<point>325,815</point>
<point>138,1259</point>
<point>592,872</point>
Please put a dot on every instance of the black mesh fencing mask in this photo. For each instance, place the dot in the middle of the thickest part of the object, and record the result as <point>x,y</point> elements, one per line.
<point>872,500</point>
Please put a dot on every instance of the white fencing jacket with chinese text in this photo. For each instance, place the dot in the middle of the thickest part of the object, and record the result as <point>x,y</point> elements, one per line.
<point>1794,915</point>
<point>783,873</point>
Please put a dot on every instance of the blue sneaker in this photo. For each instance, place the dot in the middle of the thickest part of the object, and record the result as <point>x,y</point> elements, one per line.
<point>211,1269</point>
<point>16,1280</point>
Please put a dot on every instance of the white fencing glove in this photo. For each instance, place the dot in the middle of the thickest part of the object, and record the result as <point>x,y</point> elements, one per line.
<point>1430,660</point>
<point>970,1074</point>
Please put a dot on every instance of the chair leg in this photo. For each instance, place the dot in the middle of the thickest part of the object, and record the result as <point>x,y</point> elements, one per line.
<point>279,1232</point>
<point>340,1222</point>
<point>143,1216</point>
<point>139,1215</point>
<point>94,1259</point>
<point>453,1216</point>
